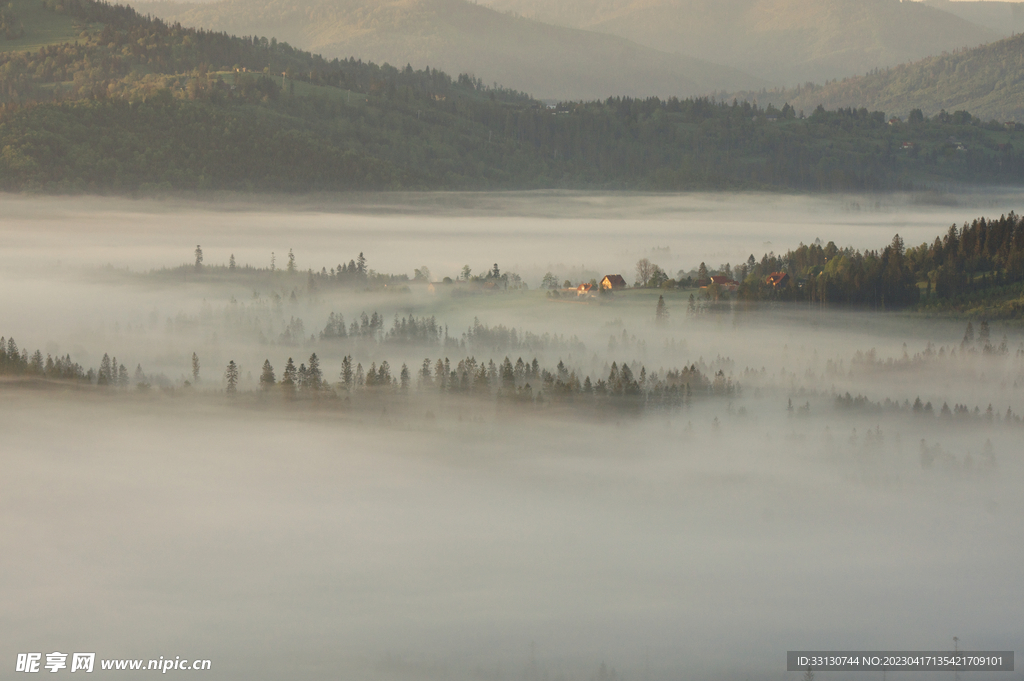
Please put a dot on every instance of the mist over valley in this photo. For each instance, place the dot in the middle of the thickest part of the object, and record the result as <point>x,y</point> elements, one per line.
<point>771,483</point>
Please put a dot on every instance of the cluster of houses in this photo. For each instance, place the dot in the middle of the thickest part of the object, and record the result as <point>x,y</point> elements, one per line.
<point>775,280</point>
<point>615,282</point>
<point>611,282</point>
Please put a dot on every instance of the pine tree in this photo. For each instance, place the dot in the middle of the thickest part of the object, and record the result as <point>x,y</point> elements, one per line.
<point>291,262</point>
<point>289,376</point>
<point>508,374</point>
<point>231,374</point>
<point>195,368</point>
<point>231,262</point>
<point>267,378</point>
<point>968,335</point>
<point>347,376</point>
<point>404,376</point>
<point>984,334</point>
<point>440,374</point>
<point>661,312</point>
<point>103,378</point>
<point>199,257</point>
<point>314,377</point>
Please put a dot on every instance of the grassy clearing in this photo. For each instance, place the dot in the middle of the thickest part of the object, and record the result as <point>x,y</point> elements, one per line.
<point>306,89</point>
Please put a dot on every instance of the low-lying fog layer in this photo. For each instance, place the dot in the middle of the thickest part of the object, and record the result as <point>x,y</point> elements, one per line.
<point>453,536</point>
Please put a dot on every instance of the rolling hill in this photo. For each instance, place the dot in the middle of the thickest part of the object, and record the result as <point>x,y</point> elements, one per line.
<point>136,105</point>
<point>549,62</point>
<point>783,42</point>
<point>987,81</point>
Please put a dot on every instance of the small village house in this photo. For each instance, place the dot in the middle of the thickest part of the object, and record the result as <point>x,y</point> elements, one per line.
<point>724,282</point>
<point>613,282</point>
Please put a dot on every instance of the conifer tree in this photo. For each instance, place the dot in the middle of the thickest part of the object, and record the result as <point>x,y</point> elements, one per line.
<point>968,335</point>
<point>199,257</point>
<point>103,377</point>
<point>440,374</point>
<point>347,375</point>
<point>195,368</point>
<point>661,312</point>
<point>231,374</point>
<point>288,378</point>
<point>267,378</point>
<point>314,377</point>
<point>508,376</point>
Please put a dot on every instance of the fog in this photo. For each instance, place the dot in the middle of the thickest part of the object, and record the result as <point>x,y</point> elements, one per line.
<point>424,535</point>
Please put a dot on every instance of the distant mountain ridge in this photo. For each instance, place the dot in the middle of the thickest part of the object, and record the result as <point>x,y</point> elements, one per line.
<point>987,81</point>
<point>1006,18</point>
<point>549,62</point>
<point>784,42</point>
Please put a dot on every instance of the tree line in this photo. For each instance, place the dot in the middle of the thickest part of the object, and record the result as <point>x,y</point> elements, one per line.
<point>520,381</point>
<point>982,258</point>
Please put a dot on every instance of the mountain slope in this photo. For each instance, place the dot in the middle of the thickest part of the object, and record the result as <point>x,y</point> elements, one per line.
<point>987,81</point>
<point>132,105</point>
<point>1005,18</point>
<point>781,41</point>
<point>456,36</point>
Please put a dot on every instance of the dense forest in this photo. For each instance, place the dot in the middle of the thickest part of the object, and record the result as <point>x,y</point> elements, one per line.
<point>137,105</point>
<point>979,262</point>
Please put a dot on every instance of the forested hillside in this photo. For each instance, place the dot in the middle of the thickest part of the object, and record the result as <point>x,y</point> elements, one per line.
<point>988,81</point>
<point>135,105</point>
